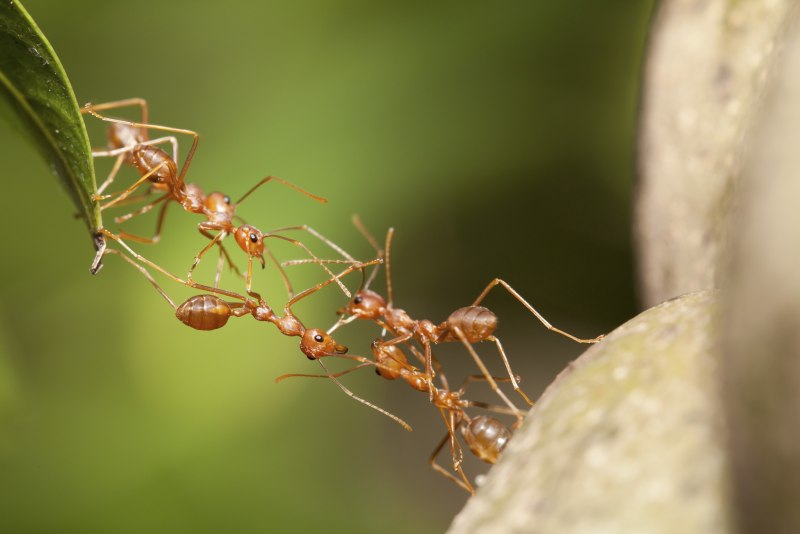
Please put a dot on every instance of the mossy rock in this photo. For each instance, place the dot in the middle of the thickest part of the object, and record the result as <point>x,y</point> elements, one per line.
<point>627,439</point>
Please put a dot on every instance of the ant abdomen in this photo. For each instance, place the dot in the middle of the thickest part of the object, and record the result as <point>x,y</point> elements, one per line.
<point>148,157</point>
<point>204,312</point>
<point>476,322</point>
<point>486,437</point>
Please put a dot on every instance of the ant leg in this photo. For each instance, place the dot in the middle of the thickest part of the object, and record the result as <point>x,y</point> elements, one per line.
<point>450,436</point>
<point>456,451</point>
<point>145,273</point>
<point>498,281</point>
<point>429,368</point>
<point>91,109</point>
<point>315,233</point>
<point>365,402</point>
<point>511,375</point>
<point>282,272</point>
<point>112,175</point>
<point>216,239</point>
<point>308,251</point>
<point>116,104</point>
<point>189,283</point>
<point>457,331</point>
<point>203,228</point>
<point>249,281</point>
<point>97,153</point>
<point>138,257</point>
<point>220,263</point>
<point>122,195</point>
<point>303,294</point>
<point>144,209</point>
<point>437,366</point>
<point>484,405</point>
<point>159,224</point>
<point>373,243</point>
<point>284,182</point>
<point>390,299</point>
<point>447,474</point>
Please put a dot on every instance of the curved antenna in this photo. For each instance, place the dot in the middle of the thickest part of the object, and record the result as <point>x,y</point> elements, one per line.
<point>365,402</point>
<point>373,243</point>
<point>390,300</point>
<point>305,375</point>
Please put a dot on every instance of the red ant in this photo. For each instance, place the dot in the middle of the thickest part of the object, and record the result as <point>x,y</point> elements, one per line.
<point>469,325</point>
<point>485,436</point>
<point>129,143</point>
<point>209,312</point>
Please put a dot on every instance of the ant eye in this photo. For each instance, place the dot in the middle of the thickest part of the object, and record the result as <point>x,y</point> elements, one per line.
<point>318,338</point>
<point>254,238</point>
<point>226,199</point>
<point>358,300</point>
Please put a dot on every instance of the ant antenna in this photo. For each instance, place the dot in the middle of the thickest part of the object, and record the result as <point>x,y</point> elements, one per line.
<point>359,399</point>
<point>389,235</point>
<point>337,375</point>
<point>341,322</point>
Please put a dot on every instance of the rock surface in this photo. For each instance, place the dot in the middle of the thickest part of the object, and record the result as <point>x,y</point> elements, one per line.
<point>627,439</point>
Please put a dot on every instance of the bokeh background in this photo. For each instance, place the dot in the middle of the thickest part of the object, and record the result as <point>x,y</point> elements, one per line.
<point>498,139</point>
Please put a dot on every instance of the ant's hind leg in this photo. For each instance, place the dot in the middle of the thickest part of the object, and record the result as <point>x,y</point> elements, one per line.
<point>485,372</point>
<point>513,292</point>
<point>145,273</point>
<point>111,175</point>
<point>122,195</point>
<point>512,377</point>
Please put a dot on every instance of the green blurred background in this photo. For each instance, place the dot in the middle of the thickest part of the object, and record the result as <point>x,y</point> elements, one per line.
<point>497,138</point>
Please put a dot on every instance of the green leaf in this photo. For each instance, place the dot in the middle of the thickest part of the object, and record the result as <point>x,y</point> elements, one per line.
<point>36,88</point>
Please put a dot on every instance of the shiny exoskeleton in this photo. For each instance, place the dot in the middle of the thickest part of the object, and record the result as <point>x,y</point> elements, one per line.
<point>210,312</point>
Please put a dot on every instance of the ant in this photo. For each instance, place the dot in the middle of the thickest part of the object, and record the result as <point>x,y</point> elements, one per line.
<point>209,312</point>
<point>486,436</point>
<point>468,325</point>
<point>130,144</point>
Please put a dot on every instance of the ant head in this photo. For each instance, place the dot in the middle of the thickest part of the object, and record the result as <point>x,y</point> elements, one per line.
<point>366,304</point>
<point>390,358</point>
<point>251,240</point>
<point>317,343</point>
<point>220,203</point>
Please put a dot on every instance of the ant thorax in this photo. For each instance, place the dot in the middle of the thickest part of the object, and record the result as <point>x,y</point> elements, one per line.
<point>399,320</point>
<point>125,135</point>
